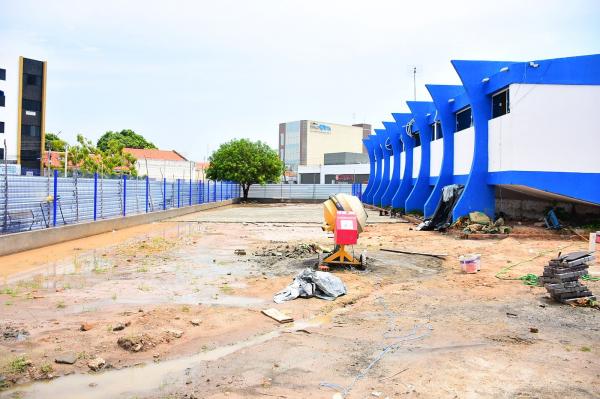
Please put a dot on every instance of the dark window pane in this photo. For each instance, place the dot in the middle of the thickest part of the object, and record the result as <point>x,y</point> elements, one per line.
<point>463,119</point>
<point>417,138</point>
<point>2,153</point>
<point>1,127</point>
<point>436,130</point>
<point>500,104</point>
<point>2,99</point>
<point>32,80</point>
<point>30,130</point>
<point>2,74</point>
<point>32,105</point>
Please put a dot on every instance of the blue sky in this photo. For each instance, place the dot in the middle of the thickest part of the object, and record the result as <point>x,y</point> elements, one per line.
<point>190,75</point>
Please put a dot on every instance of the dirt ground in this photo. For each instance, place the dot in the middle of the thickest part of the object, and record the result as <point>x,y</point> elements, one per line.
<point>174,313</point>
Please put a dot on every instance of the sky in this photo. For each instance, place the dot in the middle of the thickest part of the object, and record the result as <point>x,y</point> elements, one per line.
<point>190,75</point>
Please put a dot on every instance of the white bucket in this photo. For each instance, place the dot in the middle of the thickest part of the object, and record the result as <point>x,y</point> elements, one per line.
<point>470,263</point>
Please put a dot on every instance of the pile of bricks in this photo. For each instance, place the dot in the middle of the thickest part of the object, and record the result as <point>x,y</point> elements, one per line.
<point>561,277</point>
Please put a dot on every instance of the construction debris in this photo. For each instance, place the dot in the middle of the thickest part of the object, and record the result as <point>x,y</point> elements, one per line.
<point>561,277</point>
<point>301,250</point>
<point>480,223</point>
<point>277,315</point>
<point>400,251</point>
<point>311,283</point>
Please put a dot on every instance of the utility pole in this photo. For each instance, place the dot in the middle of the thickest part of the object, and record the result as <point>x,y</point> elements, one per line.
<point>415,82</point>
<point>66,158</point>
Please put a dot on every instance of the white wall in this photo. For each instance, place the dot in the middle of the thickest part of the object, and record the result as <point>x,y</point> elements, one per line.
<point>435,160</point>
<point>549,128</point>
<point>341,138</point>
<point>464,145</point>
<point>402,163</point>
<point>157,169</point>
<point>9,113</point>
<point>416,161</point>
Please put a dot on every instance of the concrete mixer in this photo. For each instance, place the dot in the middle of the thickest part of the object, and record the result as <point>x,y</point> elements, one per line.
<point>345,216</point>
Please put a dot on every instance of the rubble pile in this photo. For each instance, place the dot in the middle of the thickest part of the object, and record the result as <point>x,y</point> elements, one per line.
<point>302,250</point>
<point>561,277</point>
<point>480,223</point>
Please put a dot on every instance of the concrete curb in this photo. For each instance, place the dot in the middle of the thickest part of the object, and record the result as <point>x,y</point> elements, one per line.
<point>24,241</point>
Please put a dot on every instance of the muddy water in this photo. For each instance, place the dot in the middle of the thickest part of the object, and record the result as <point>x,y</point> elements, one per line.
<point>129,381</point>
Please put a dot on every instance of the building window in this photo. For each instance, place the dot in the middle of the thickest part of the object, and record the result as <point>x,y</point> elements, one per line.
<point>417,139</point>
<point>2,154</point>
<point>30,130</point>
<point>32,80</point>
<point>32,105</point>
<point>500,103</point>
<point>2,74</point>
<point>464,119</point>
<point>436,130</point>
<point>2,99</point>
<point>1,127</point>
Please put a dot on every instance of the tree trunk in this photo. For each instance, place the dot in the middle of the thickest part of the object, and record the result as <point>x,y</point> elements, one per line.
<point>245,189</point>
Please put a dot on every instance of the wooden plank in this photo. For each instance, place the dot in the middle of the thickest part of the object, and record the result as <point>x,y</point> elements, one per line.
<point>277,315</point>
<point>400,251</point>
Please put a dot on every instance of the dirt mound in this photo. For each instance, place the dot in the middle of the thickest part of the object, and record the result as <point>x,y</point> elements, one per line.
<point>136,343</point>
<point>298,251</point>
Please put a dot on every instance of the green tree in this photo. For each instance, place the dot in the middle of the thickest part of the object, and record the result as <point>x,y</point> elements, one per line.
<point>54,143</point>
<point>89,159</point>
<point>246,163</point>
<point>128,138</point>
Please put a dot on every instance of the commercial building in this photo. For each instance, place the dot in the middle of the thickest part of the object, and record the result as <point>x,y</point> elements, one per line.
<point>338,168</point>
<point>511,130</point>
<point>305,142</point>
<point>159,164</point>
<point>22,112</point>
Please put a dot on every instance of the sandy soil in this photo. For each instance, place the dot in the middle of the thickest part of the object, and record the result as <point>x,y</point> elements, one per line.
<point>178,290</point>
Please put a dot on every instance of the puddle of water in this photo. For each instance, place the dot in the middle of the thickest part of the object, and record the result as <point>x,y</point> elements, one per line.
<point>129,381</point>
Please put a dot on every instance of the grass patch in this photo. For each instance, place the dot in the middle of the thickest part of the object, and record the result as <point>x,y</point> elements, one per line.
<point>185,308</point>
<point>13,292</point>
<point>144,288</point>
<point>46,368</point>
<point>142,269</point>
<point>225,289</point>
<point>61,305</point>
<point>585,349</point>
<point>18,365</point>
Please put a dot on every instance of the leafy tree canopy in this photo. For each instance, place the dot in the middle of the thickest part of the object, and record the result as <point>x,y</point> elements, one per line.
<point>89,159</point>
<point>128,138</point>
<point>55,143</point>
<point>246,163</point>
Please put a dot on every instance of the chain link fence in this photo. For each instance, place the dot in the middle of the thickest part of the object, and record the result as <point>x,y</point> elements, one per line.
<point>39,202</point>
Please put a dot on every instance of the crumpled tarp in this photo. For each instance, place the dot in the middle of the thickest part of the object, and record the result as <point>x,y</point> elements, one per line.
<point>311,283</point>
<point>442,217</point>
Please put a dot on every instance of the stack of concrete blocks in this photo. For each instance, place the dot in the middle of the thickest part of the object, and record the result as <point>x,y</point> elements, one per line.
<point>561,277</point>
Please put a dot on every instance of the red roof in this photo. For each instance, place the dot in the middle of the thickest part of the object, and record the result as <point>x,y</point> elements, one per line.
<point>163,155</point>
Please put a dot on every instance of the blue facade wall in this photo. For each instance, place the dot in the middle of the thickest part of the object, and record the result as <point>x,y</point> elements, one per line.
<point>390,186</point>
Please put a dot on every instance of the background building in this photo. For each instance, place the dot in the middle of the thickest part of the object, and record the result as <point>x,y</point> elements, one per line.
<point>22,112</point>
<point>159,164</point>
<point>338,168</point>
<point>305,142</point>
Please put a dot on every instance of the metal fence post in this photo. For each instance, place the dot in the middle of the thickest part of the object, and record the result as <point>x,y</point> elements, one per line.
<point>147,191</point>
<point>164,193</point>
<point>221,194</point>
<point>54,200</point>
<point>190,191</point>
<point>124,195</point>
<point>215,192</point>
<point>95,195</point>
<point>178,192</point>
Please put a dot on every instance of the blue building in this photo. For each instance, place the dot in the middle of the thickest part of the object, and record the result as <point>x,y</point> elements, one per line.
<point>511,130</point>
